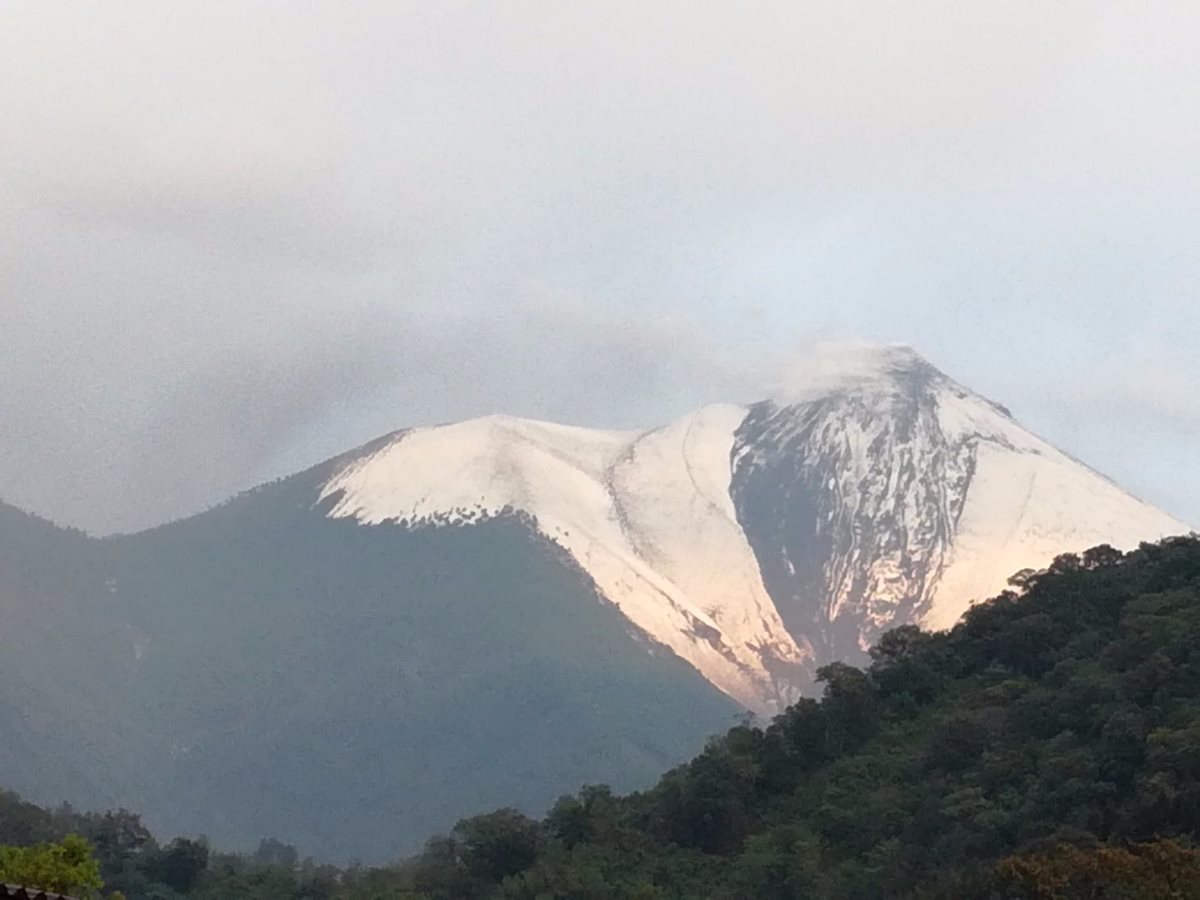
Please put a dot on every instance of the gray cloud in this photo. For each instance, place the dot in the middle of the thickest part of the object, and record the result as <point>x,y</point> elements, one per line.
<point>237,238</point>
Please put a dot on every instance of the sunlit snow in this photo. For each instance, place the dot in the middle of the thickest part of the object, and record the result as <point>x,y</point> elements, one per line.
<point>964,497</point>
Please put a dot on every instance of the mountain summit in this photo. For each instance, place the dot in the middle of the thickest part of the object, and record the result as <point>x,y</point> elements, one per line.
<point>493,612</point>
<point>760,542</point>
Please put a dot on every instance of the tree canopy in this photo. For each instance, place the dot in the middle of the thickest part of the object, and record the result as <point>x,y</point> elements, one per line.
<point>66,867</point>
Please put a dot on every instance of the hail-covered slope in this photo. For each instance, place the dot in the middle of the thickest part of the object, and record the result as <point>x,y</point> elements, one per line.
<point>760,542</point>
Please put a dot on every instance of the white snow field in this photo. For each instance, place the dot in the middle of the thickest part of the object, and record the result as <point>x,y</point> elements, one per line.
<point>650,515</point>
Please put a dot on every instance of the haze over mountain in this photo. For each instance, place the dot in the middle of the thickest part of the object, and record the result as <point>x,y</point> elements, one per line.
<point>232,244</point>
<point>495,611</point>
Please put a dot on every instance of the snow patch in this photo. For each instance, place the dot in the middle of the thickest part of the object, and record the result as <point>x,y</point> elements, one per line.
<point>1025,508</point>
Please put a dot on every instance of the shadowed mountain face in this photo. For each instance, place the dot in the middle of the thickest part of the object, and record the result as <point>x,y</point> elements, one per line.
<point>851,502</point>
<point>264,670</point>
<point>495,612</point>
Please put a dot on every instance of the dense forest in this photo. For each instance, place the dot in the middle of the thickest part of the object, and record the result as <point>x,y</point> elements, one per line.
<point>1046,747</point>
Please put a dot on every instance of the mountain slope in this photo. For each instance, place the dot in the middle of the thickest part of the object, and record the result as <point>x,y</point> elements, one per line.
<point>648,516</point>
<point>266,670</point>
<point>894,495</point>
<point>759,543</point>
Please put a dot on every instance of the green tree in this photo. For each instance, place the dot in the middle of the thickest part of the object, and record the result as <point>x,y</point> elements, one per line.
<point>498,844</point>
<point>272,852</point>
<point>180,864</point>
<point>851,707</point>
<point>67,867</point>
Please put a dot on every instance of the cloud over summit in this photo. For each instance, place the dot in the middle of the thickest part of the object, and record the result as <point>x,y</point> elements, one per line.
<point>246,236</point>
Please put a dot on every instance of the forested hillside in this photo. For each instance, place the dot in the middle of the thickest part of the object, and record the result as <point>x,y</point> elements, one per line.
<point>1062,714</point>
<point>1049,745</point>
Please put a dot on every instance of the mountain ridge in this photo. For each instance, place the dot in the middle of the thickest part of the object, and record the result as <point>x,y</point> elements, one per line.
<point>882,443</point>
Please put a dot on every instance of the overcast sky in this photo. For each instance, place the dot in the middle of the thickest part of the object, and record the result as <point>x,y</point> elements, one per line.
<point>239,237</point>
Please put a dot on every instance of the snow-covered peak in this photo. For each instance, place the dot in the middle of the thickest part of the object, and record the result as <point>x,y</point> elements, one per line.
<point>480,465</point>
<point>647,515</point>
<point>760,542</point>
